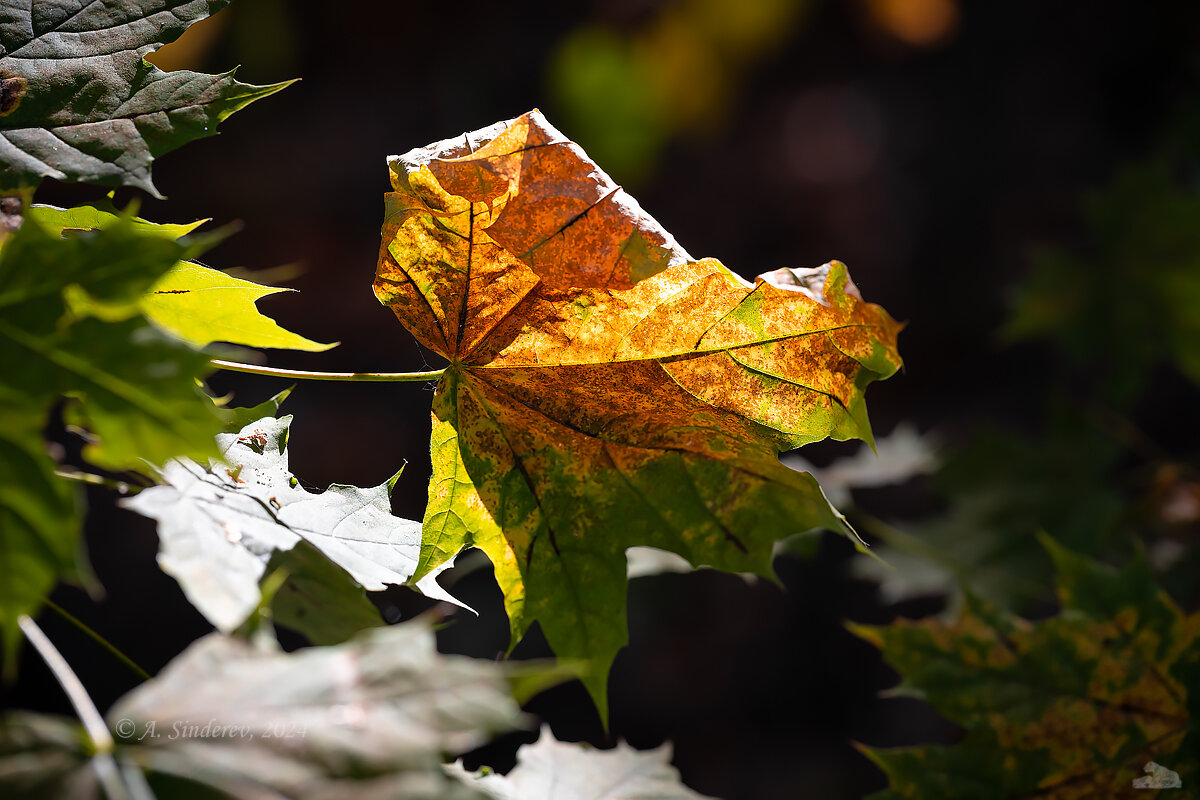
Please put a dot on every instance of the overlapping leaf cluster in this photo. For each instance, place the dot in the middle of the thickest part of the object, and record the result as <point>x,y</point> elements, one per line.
<point>70,326</point>
<point>219,526</point>
<point>106,310</point>
<point>370,718</point>
<point>94,304</point>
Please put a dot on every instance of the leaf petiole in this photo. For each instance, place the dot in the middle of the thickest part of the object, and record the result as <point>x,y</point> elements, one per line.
<point>97,638</point>
<point>377,377</point>
<point>103,762</point>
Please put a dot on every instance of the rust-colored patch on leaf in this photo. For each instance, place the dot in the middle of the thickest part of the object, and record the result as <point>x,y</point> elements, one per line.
<point>12,92</point>
<point>605,389</point>
<point>563,216</point>
<point>1078,704</point>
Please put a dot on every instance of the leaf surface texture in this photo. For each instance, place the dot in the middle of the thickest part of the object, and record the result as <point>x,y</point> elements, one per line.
<point>1070,707</point>
<point>552,770</point>
<point>79,103</point>
<point>604,389</point>
<point>219,525</point>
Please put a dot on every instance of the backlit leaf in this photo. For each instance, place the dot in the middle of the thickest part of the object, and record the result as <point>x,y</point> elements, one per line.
<point>202,305</point>
<point>79,103</point>
<point>39,521</point>
<point>552,770</point>
<point>198,304</point>
<point>136,388</point>
<point>1070,707</point>
<point>650,409</point>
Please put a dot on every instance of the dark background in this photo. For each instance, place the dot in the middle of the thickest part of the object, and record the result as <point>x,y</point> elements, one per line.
<point>932,145</point>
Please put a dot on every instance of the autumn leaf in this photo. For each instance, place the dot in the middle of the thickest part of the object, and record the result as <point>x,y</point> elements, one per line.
<point>1070,707</point>
<point>552,770</point>
<point>79,103</point>
<point>605,390</point>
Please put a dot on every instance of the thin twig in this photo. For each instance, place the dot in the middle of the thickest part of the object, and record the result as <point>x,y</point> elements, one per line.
<point>98,639</point>
<point>376,377</point>
<point>121,487</point>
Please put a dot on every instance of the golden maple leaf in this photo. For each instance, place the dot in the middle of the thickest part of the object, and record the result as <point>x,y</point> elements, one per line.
<point>605,389</point>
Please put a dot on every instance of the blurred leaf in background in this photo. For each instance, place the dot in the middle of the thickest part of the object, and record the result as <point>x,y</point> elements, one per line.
<point>1002,488</point>
<point>1129,300</point>
<point>1121,309</point>
<point>1073,706</point>
<point>625,91</point>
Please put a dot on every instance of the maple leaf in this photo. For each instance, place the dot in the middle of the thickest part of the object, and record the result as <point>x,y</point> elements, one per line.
<point>79,103</point>
<point>219,526</point>
<point>202,305</point>
<point>1071,707</point>
<point>552,770</point>
<point>373,717</point>
<point>647,408</point>
<point>197,304</point>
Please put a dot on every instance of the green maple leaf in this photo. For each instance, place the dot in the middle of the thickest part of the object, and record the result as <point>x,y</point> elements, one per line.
<point>1071,707</point>
<point>79,103</point>
<point>39,521</point>
<point>135,386</point>
<point>647,408</point>
<point>132,386</point>
<point>552,770</point>
<point>195,303</point>
<point>202,305</point>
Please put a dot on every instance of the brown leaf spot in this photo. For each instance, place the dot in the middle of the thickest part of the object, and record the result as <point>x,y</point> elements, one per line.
<point>12,91</point>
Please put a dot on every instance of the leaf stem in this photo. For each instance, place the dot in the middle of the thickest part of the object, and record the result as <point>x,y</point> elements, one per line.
<point>89,715</point>
<point>98,639</point>
<point>121,487</point>
<point>377,377</point>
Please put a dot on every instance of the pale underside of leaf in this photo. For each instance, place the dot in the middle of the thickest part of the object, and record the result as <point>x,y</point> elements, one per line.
<point>370,718</point>
<point>552,770</point>
<point>219,526</point>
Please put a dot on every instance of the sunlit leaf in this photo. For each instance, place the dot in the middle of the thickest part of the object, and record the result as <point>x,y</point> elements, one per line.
<point>573,423</point>
<point>198,304</point>
<point>136,388</point>
<point>202,305</point>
